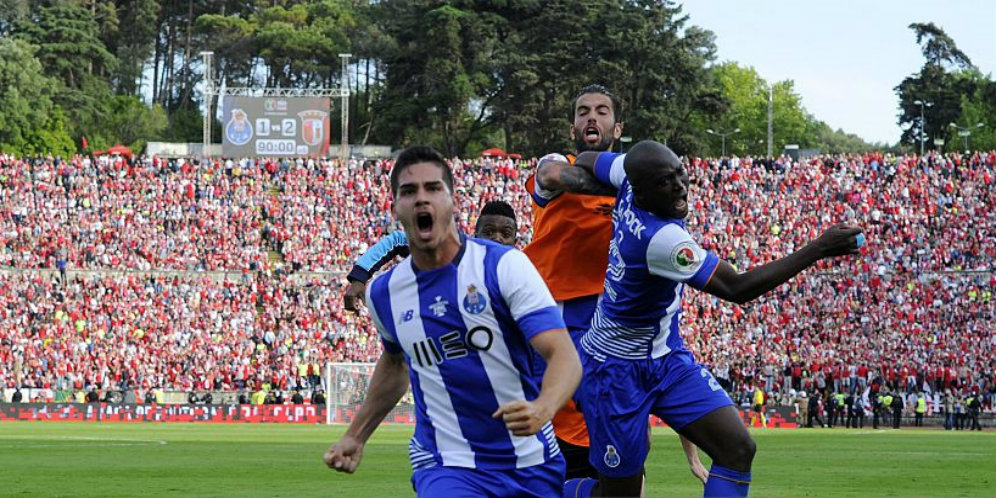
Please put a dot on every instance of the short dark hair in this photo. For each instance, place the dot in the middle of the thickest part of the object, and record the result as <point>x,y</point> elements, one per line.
<point>419,154</point>
<point>602,89</point>
<point>499,208</point>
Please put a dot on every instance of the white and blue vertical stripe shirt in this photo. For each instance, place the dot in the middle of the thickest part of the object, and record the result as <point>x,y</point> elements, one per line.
<point>464,330</point>
<point>650,261</point>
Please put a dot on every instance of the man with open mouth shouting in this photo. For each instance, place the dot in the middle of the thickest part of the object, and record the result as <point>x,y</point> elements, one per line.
<point>458,319</point>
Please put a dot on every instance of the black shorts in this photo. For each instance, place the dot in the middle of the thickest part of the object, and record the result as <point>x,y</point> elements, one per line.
<point>758,408</point>
<point>577,460</point>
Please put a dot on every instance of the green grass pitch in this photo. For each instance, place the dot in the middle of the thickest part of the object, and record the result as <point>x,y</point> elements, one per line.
<point>53,459</point>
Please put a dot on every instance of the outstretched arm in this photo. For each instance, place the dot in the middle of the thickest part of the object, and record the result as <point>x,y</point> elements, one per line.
<point>395,244</point>
<point>727,284</point>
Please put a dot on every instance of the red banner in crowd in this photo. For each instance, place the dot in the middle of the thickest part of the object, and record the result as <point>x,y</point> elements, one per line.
<point>107,412</point>
<point>283,414</point>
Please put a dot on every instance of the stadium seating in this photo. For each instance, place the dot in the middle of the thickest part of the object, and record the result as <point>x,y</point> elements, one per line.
<point>916,303</point>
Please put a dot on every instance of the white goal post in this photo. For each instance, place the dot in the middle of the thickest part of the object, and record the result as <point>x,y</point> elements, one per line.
<point>347,384</point>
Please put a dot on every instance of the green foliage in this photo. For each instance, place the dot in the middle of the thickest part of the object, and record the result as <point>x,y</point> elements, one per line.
<point>956,91</point>
<point>29,121</point>
<point>747,94</point>
<point>478,67</point>
<point>185,125</point>
<point>459,75</point>
<point>132,122</point>
<point>133,45</point>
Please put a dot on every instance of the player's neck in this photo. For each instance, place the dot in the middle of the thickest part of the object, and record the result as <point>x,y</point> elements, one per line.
<point>443,254</point>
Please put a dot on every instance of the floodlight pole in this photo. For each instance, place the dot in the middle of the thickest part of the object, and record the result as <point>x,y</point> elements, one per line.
<point>771,105</point>
<point>723,135</point>
<point>345,105</point>
<point>923,122</point>
<point>966,131</point>
<point>209,93</point>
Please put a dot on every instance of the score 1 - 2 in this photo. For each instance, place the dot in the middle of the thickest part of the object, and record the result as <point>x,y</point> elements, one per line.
<point>287,127</point>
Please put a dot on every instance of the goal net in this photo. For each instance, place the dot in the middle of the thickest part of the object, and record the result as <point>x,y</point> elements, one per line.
<point>347,385</point>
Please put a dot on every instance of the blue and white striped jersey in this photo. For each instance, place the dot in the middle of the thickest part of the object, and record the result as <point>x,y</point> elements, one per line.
<point>464,330</point>
<point>650,261</point>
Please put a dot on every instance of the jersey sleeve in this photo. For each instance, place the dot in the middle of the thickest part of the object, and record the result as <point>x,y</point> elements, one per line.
<point>541,195</point>
<point>609,168</point>
<point>673,254</point>
<point>395,244</point>
<point>378,302</point>
<point>529,300</point>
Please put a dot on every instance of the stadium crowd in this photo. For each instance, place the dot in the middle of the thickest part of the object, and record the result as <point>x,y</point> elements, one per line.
<point>914,310</point>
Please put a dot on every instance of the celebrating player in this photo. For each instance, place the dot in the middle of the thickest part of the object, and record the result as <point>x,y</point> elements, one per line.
<point>458,315</point>
<point>570,244</point>
<point>635,363</point>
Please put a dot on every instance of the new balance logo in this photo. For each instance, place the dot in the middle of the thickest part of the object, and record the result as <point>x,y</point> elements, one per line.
<point>407,316</point>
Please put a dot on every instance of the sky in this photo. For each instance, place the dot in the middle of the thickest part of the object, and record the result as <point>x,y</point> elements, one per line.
<point>845,56</point>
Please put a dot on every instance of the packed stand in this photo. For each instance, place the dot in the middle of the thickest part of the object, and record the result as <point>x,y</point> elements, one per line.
<point>916,305</point>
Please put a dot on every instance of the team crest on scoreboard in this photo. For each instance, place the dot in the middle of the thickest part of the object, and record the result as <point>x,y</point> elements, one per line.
<point>313,126</point>
<point>474,302</point>
<point>239,129</point>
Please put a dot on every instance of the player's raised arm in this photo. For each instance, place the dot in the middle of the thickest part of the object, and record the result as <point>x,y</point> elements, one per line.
<point>727,284</point>
<point>555,174</point>
<point>395,244</point>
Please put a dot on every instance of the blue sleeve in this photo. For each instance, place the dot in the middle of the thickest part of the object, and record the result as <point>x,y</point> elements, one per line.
<point>705,272</point>
<point>609,168</point>
<point>395,244</point>
<point>541,320</point>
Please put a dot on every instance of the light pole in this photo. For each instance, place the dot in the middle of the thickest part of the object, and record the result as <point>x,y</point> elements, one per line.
<point>344,92</point>
<point>723,135</point>
<point>965,131</point>
<point>923,122</point>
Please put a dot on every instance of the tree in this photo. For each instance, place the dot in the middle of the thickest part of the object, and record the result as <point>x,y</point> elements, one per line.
<point>31,122</point>
<point>71,51</point>
<point>746,94</point>
<point>134,44</point>
<point>441,68</point>
<point>939,85</point>
<point>132,122</point>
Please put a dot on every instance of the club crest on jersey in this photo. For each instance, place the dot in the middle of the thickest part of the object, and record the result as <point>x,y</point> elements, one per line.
<point>438,308</point>
<point>612,456</point>
<point>684,257</point>
<point>474,302</point>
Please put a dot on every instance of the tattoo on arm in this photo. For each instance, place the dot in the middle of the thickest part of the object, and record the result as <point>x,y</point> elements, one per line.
<point>579,181</point>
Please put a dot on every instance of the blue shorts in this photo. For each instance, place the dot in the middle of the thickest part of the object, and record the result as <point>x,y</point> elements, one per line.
<point>539,481</point>
<point>618,396</point>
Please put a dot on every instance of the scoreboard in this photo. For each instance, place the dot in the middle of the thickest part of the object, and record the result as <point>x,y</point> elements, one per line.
<point>275,126</point>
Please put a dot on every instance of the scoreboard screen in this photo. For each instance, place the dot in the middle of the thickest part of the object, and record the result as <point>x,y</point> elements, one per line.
<point>275,126</point>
